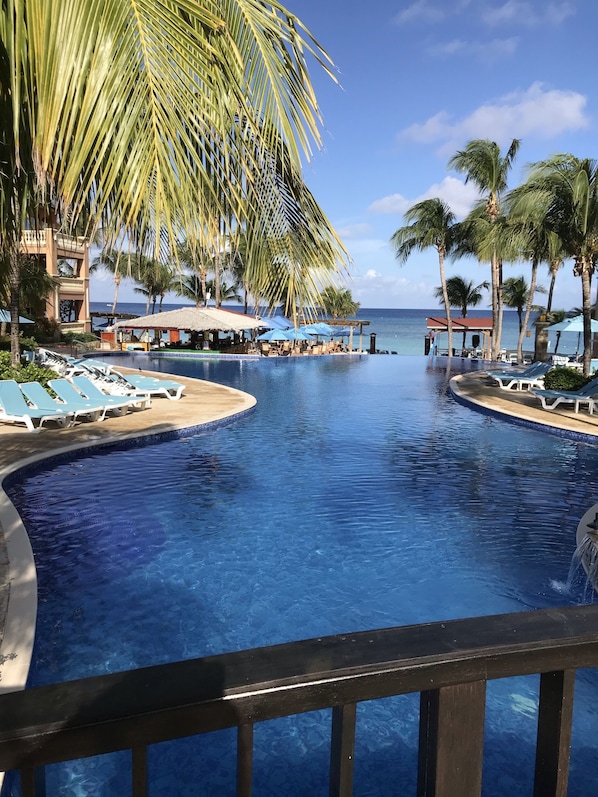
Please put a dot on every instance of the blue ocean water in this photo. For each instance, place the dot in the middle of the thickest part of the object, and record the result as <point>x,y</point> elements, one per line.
<point>358,495</point>
<point>401,331</point>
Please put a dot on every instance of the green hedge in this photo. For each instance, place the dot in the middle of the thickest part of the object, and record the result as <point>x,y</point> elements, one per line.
<point>565,378</point>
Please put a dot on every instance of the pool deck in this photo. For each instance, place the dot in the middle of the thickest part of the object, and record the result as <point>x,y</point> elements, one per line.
<point>203,404</point>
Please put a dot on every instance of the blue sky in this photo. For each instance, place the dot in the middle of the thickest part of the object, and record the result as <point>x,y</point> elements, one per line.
<point>418,79</point>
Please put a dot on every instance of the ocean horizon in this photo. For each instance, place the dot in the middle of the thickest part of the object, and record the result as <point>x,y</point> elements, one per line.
<point>397,330</point>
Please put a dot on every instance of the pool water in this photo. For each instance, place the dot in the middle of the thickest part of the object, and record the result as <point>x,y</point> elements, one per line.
<point>357,495</point>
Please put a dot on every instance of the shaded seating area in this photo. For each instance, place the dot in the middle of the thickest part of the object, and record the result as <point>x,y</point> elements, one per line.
<point>532,376</point>
<point>586,395</point>
<point>15,409</point>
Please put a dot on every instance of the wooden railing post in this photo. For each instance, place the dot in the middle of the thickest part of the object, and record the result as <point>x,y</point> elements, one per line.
<point>451,741</point>
<point>244,759</point>
<point>342,750</point>
<point>555,715</point>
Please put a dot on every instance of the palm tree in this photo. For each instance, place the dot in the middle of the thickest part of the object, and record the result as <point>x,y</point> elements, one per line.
<point>483,165</point>
<point>338,303</point>
<point>130,128</point>
<point>430,223</point>
<point>154,280</point>
<point>563,190</point>
<point>517,294</point>
<point>462,295</point>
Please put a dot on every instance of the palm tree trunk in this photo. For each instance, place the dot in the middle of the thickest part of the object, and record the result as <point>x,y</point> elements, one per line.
<point>554,267</point>
<point>445,298</point>
<point>14,286</point>
<point>528,310</point>
<point>116,287</point>
<point>586,293</point>
<point>494,276</point>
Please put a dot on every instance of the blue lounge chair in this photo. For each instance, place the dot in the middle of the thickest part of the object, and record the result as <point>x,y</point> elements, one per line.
<point>154,386</point>
<point>532,376</point>
<point>116,383</point>
<point>588,394</point>
<point>14,409</point>
<point>40,398</point>
<point>92,392</point>
<point>70,395</point>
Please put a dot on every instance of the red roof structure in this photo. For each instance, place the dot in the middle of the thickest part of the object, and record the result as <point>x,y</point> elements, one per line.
<point>461,324</point>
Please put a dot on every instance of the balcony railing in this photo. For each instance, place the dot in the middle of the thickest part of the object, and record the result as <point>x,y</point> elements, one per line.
<point>447,663</point>
<point>33,237</point>
<point>65,243</point>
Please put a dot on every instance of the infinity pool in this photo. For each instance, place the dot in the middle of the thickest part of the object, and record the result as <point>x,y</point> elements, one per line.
<point>358,495</point>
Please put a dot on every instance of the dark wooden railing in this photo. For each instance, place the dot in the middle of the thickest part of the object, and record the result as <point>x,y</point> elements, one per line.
<point>448,663</point>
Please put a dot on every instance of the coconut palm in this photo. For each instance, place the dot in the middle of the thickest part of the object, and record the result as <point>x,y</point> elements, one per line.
<point>150,107</point>
<point>338,303</point>
<point>483,164</point>
<point>431,223</point>
<point>563,190</point>
<point>462,294</point>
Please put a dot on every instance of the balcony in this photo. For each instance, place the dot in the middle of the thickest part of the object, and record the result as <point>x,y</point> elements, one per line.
<point>70,286</point>
<point>448,663</point>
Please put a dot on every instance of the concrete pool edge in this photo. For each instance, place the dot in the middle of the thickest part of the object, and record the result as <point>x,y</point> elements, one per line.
<point>18,580</point>
<point>522,409</point>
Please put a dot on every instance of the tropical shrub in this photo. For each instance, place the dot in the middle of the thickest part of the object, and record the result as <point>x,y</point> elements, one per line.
<point>26,343</point>
<point>29,372</point>
<point>565,378</point>
<point>84,337</point>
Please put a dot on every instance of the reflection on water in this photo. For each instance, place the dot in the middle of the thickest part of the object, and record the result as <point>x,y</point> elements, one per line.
<point>357,495</point>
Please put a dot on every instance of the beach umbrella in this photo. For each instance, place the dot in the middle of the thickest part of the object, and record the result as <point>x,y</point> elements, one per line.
<point>277,322</point>
<point>5,318</point>
<point>574,324</point>
<point>297,334</point>
<point>273,334</point>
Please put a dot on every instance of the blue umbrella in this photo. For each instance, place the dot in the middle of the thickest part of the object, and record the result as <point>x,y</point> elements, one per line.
<point>277,322</point>
<point>273,334</point>
<point>297,334</point>
<point>5,318</point>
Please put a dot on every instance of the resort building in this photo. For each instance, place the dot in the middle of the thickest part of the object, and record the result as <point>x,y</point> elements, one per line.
<point>67,261</point>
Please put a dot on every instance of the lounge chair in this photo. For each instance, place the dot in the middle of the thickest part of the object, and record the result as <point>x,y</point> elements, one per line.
<point>532,376</point>
<point>40,398</point>
<point>14,409</point>
<point>91,391</point>
<point>154,386</point>
<point>72,398</point>
<point>588,394</point>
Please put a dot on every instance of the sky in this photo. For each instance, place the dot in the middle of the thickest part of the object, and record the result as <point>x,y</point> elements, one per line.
<point>417,80</point>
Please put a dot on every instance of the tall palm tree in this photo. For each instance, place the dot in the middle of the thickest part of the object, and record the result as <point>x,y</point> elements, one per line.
<point>563,190</point>
<point>130,126</point>
<point>483,164</point>
<point>430,223</point>
<point>462,294</point>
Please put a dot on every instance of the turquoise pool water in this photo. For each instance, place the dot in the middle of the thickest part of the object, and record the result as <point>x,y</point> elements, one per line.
<point>359,494</point>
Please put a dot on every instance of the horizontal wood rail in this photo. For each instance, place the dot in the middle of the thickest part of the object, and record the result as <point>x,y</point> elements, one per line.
<point>448,663</point>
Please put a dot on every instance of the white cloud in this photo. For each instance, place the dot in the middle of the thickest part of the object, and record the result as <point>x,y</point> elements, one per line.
<point>421,10</point>
<point>459,196</point>
<point>537,111</point>
<point>395,203</point>
<point>350,231</point>
<point>489,51</point>
<point>523,14</point>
